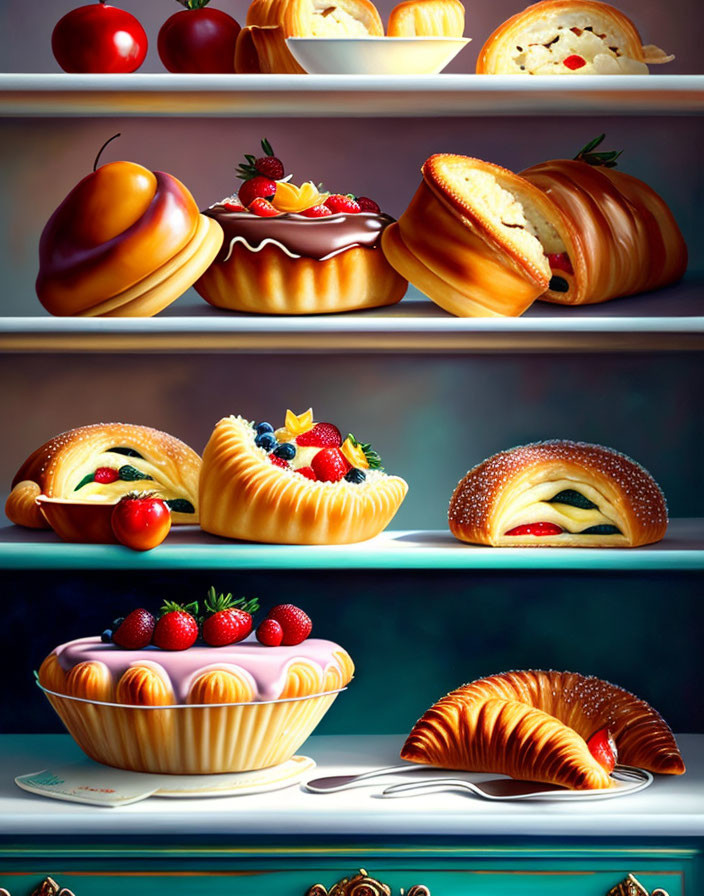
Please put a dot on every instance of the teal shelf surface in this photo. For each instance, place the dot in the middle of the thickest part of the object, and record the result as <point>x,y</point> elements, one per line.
<point>189,548</point>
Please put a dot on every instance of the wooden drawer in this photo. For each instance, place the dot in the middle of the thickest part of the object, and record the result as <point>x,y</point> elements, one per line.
<point>518,878</point>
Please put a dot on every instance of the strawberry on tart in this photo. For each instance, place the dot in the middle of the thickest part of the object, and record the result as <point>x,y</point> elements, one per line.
<point>196,692</point>
<point>300,484</point>
<point>292,249</point>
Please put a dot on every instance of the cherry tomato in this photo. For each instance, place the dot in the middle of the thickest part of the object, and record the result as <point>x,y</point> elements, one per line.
<point>198,40</point>
<point>99,38</point>
<point>141,522</point>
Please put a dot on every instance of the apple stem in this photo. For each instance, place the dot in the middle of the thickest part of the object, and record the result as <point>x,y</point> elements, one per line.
<point>100,151</point>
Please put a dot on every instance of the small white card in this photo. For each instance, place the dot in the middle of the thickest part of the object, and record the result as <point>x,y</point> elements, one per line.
<point>102,785</point>
<point>88,782</point>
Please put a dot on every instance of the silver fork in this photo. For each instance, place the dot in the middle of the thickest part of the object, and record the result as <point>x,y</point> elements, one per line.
<point>335,783</point>
<point>509,789</point>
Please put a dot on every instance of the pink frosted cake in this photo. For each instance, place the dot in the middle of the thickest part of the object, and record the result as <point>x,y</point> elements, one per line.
<point>202,710</point>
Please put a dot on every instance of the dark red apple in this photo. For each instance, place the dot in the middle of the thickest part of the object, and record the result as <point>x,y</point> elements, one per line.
<point>198,40</point>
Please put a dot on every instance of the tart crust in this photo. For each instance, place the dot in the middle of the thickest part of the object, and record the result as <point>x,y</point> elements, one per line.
<point>244,496</point>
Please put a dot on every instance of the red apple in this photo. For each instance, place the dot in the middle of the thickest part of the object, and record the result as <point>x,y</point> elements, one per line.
<point>99,38</point>
<point>198,40</point>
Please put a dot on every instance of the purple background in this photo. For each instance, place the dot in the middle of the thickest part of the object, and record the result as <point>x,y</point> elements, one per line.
<point>670,25</point>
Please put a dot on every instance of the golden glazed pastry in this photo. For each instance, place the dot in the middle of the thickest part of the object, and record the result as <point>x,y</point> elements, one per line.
<point>474,238</point>
<point>126,242</point>
<point>128,457</point>
<point>222,709</point>
<point>262,50</point>
<point>558,494</point>
<point>619,236</point>
<point>563,37</point>
<point>249,494</point>
<point>535,725</point>
<point>427,18</point>
<point>481,241</point>
<point>305,18</point>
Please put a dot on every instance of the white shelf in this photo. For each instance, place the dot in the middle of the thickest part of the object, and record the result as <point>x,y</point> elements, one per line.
<point>673,806</point>
<point>55,95</point>
<point>189,548</point>
<point>669,319</point>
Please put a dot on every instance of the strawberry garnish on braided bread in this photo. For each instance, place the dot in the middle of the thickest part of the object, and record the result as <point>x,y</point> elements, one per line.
<point>535,725</point>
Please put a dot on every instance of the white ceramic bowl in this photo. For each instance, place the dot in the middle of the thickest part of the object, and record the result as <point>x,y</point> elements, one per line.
<point>375,55</point>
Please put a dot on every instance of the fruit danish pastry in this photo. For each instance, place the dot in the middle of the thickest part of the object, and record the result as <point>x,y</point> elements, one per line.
<point>293,249</point>
<point>558,494</point>
<point>474,238</point>
<point>300,484</point>
<point>619,236</point>
<point>427,18</point>
<point>126,242</point>
<point>554,727</point>
<point>103,462</point>
<point>564,37</point>
<point>308,18</point>
<point>161,695</point>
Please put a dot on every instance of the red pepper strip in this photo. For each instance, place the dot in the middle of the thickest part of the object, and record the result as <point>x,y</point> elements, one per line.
<point>560,261</point>
<point>573,62</point>
<point>536,529</point>
<point>106,475</point>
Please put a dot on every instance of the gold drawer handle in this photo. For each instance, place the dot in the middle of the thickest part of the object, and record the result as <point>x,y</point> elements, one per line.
<point>362,885</point>
<point>632,887</point>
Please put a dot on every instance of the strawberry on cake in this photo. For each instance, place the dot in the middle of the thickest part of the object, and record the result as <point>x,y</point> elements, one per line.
<point>300,484</point>
<point>297,249</point>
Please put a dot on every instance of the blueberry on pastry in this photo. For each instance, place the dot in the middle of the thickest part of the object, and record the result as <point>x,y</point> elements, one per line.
<point>563,37</point>
<point>544,726</point>
<point>300,484</point>
<point>558,494</point>
<point>104,462</point>
<point>427,18</point>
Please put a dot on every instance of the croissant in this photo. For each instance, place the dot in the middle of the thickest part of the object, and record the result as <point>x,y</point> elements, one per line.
<point>558,494</point>
<point>263,50</point>
<point>126,242</point>
<point>534,725</point>
<point>562,37</point>
<point>243,495</point>
<point>505,737</point>
<point>126,455</point>
<point>304,18</point>
<point>619,236</point>
<point>473,238</point>
<point>427,18</point>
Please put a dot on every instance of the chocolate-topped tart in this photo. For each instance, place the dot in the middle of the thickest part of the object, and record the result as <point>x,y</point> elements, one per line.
<point>292,249</point>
